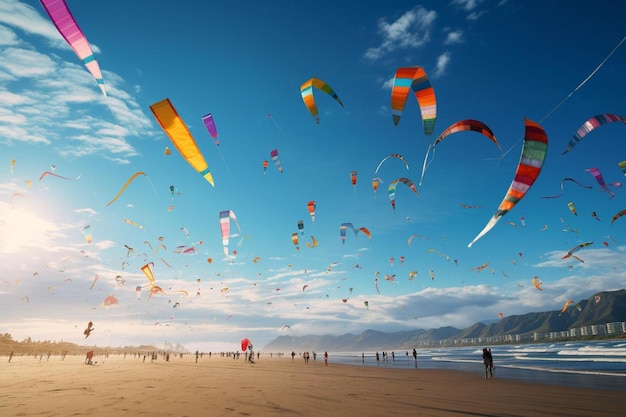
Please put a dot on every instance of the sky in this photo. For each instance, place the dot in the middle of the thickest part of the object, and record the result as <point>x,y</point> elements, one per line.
<point>64,250</point>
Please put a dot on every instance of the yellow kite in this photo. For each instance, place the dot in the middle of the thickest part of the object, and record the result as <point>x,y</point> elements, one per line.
<point>177,131</point>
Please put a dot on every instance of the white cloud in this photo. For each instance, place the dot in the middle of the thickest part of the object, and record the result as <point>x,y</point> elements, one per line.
<point>467,5</point>
<point>454,37</point>
<point>476,15</point>
<point>411,30</point>
<point>442,63</point>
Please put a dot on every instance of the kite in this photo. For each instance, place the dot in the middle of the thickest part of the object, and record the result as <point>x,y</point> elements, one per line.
<point>393,155</point>
<point>311,207</point>
<point>366,304</point>
<point>412,275</point>
<point>479,268</point>
<point>567,303</point>
<point>365,231</point>
<point>88,235</point>
<point>471,125</point>
<point>109,301</point>
<point>595,216</point>
<point>68,28</point>
<point>179,134</point>
<point>294,240</point>
<point>274,156</point>
<point>342,231</point>
<point>314,244</point>
<point>392,189</point>
<point>576,248</point>
<point>563,183</point>
<point>432,274</point>
<point>58,176</point>
<point>572,208</point>
<point>306,90</point>
<point>138,289</point>
<point>414,78</point>
<point>301,226</point>
<point>618,215</point>
<point>225,217</point>
<point>537,283</point>
<point>591,124</point>
<point>622,166</point>
<point>598,176</point>
<point>413,236</point>
<point>12,165</point>
<point>209,123</point>
<point>375,182</point>
<point>353,178</point>
<point>531,161</point>
<point>134,223</point>
<point>135,175</point>
<point>265,163</point>
<point>460,126</point>
<point>89,329</point>
<point>245,343</point>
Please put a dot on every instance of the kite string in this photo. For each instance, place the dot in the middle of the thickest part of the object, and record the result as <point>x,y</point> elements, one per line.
<point>573,91</point>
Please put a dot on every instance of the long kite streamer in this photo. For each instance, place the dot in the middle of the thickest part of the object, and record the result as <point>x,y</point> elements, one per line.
<point>68,28</point>
<point>177,131</point>
<point>533,155</point>
<point>135,175</point>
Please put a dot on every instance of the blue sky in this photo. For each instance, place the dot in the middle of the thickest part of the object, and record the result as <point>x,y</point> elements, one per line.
<point>495,61</point>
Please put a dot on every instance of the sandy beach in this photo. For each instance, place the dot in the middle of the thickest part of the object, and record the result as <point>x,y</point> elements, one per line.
<point>220,386</point>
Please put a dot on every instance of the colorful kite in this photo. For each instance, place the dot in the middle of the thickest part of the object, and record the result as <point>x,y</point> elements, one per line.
<point>460,126</point>
<point>392,189</point>
<point>622,166</point>
<point>598,176</point>
<point>225,217</point>
<point>89,329</point>
<point>177,131</point>
<point>572,208</point>
<point>209,123</point>
<point>274,156</point>
<point>311,207</point>
<point>314,244</point>
<point>68,28</point>
<point>618,215</point>
<point>393,155</point>
<point>375,182</point>
<point>56,175</point>
<point>537,283</point>
<point>306,90</point>
<point>533,155</point>
<point>591,124</point>
<point>353,175</point>
<point>570,253</point>
<point>294,240</point>
<point>342,231</point>
<point>414,78</point>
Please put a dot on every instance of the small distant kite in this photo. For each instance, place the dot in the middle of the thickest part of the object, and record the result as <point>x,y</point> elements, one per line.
<point>89,329</point>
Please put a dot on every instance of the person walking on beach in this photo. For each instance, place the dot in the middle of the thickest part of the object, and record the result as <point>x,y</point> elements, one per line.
<point>326,358</point>
<point>415,355</point>
<point>488,362</point>
<point>377,358</point>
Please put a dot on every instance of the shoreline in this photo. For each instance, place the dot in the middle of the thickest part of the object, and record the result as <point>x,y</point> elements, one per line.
<point>221,386</point>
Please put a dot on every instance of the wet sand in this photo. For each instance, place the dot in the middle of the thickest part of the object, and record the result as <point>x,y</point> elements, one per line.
<point>220,386</point>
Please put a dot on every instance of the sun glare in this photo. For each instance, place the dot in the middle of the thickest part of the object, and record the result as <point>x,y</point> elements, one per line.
<point>20,229</point>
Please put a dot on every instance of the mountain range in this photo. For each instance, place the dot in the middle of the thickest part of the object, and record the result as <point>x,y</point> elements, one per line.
<point>599,309</point>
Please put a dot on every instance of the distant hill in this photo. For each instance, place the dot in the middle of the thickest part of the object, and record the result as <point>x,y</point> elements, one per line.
<point>611,307</point>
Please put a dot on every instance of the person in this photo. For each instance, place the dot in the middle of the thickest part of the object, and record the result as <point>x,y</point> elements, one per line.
<point>377,358</point>
<point>326,358</point>
<point>293,354</point>
<point>89,357</point>
<point>488,362</point>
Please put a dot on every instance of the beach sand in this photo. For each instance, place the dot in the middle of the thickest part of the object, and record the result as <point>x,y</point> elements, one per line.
<point>220,386</point>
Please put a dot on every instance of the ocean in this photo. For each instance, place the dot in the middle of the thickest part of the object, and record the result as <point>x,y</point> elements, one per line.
<point>590,364</point>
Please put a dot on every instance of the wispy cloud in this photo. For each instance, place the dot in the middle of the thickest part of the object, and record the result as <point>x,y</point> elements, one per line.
<point>411,30</point>
<point>442,63</point>
<point>454,37</point>
<point>39,89</point>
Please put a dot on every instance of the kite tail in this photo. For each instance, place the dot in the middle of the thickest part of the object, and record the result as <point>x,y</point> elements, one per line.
<point>426,164</point>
